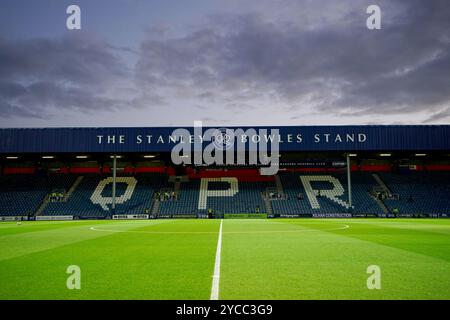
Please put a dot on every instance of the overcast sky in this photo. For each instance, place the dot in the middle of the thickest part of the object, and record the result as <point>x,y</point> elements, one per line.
<point>228,62</point>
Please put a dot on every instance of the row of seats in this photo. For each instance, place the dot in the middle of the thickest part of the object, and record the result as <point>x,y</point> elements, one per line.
<point>220,195</point>
<point>21,195</point>
<point>419,192</point>
<point>305,193</point>
<point>93,196</point>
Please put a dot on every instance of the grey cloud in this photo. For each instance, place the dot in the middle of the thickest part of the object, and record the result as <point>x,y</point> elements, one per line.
<point>402,68</point>
<point>442,116</point>
<point>72,72</point>
<point>306,57</point>
<point>9,110</point>
<point>71,58</point>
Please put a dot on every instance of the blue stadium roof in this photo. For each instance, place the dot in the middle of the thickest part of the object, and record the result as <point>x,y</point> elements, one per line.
<point>291,138</point>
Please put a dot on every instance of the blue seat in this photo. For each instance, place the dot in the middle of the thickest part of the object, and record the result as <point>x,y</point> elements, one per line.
<point>21,194</point>
<point>419,192</point>
<point>362,184</point>
<point>81,202</point>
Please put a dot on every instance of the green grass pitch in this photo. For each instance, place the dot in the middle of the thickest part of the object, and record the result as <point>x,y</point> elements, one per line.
<point>260,259</point>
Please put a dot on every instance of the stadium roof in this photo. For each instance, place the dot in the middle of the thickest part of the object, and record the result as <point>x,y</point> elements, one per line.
<point>291,138</point>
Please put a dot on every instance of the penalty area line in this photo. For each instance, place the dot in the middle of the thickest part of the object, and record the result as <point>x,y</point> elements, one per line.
<point>216,275</point>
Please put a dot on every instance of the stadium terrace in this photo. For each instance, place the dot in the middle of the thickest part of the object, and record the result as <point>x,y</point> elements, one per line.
<point>289,138</point>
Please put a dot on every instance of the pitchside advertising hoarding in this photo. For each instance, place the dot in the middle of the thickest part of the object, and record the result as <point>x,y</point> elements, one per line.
<point>302,138</point>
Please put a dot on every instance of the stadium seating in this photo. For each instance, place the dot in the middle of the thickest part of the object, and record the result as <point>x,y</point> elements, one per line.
<point>222,195</point>
<point>333,196</point>
<point>93,196</point>
<point>21,195</point>
<point>90,194</point>
<point>419,192</point>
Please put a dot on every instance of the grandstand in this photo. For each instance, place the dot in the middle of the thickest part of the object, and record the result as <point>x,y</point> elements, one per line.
<point>86,199</point>
<point>419,192</point>
<point>302,194</point>
<point>54,180</point>
<point>295,184</point>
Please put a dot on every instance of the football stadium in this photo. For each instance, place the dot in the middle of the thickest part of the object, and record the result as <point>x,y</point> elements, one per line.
<point>352,212</point>
<point>213,158</point>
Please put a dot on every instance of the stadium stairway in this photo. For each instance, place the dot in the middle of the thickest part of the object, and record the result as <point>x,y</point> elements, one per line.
<point>279,186</point>
<point>43,205</point>
<point>92,198</point>
<point>23,194</point>
<point>67,194</point>
<point>267,204</point>
<point>381,183</point>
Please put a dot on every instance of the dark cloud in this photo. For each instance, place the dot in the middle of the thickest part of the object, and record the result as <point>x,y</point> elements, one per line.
<point>440,116</point>
<point>73,72</point>
<point>9,110</point>
<point>401,69</point>
<point>313,58</point>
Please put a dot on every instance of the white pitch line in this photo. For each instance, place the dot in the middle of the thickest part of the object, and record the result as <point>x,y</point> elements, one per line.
<point>216,275</point>
<point>343,227</point>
